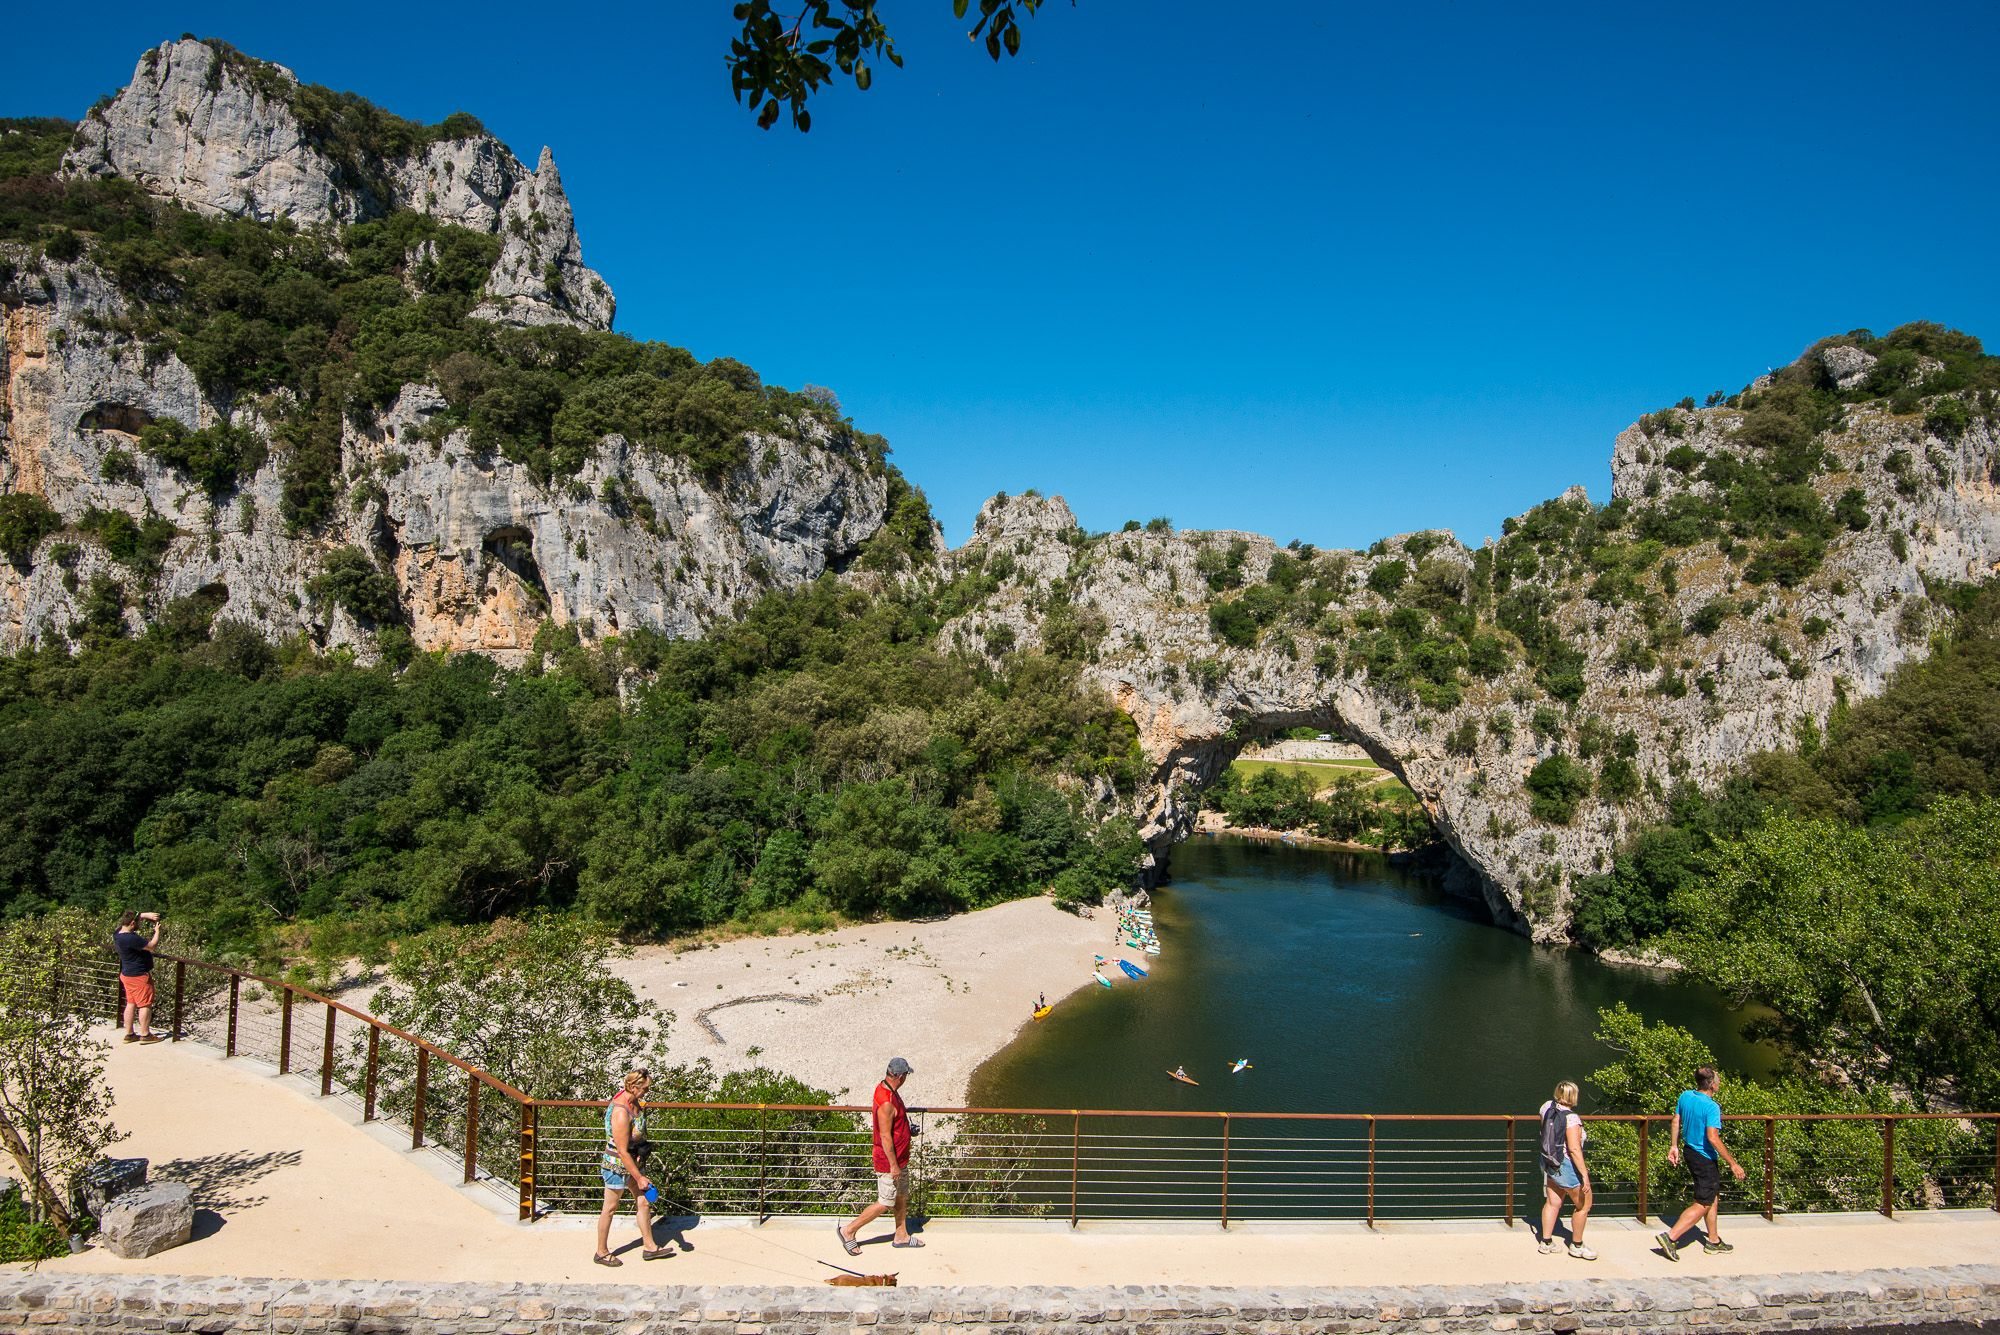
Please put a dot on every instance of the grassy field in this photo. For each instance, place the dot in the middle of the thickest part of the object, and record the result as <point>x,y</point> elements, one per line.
<point>1380,782</point>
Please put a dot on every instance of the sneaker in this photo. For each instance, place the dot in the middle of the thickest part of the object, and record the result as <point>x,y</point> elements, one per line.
<point>1714,1246</point>
<point>1581,1252</point>
<point>1669,1246</point>
<point>1547,1246</point>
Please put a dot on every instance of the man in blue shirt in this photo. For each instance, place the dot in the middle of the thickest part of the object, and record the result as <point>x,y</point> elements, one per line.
<point>1697,1129</point>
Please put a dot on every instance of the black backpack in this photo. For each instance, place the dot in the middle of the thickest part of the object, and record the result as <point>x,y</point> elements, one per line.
<point>1555,1136</point>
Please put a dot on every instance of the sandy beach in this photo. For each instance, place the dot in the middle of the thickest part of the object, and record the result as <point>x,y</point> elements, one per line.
<point>832,1008</point>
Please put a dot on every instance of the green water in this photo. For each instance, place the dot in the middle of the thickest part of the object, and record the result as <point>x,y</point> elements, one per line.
<point>1350,984</point>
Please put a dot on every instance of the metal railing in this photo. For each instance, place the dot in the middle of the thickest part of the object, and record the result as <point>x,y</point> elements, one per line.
<point>786,1158</point>
<point>478,1122</point>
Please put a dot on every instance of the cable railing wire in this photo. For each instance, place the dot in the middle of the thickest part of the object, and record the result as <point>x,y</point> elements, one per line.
<point>778,1159</point>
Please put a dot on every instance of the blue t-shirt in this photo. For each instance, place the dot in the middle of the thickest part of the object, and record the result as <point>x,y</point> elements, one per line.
<point>1698,1112</point>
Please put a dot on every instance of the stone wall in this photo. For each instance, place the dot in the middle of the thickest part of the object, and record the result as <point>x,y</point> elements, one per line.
<point>50,1304</point>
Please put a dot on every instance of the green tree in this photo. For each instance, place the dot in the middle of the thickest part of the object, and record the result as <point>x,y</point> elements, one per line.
<point>1818,1165</point>
<point>55,1104</point>
<point>531,1000</point>
<point>1877,951</point>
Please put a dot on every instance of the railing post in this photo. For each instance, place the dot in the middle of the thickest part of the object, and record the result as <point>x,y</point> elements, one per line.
<point>368,1078</point>
<point>417,1114</point>
<point>528,1135</point>
<point>235,991</point>
<point>1225,1170</point>
<point>763,1160</point>
<point>118,1000</point>
<point>1371,1171</point>
<point>1889,1167</point>
<point>1508,1217</point>
<point>326,1054</point>
<point>285,1033</point>
<point>471,1127</point>
<point>1075,1152</point>
<point>1770,1167</point>
<point>1996,1164</point>
<point>180,995</point>
<point>1645,1147</point>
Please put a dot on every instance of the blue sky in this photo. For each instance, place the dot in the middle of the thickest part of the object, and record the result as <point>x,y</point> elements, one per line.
<point>1312,270</point>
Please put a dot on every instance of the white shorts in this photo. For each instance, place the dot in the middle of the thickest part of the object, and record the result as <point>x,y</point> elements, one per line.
<point>888,1186</point>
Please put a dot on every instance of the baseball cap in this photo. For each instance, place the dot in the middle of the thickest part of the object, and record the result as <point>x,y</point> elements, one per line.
<point>897,1066</point>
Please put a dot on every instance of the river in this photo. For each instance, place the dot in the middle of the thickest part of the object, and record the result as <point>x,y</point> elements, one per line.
<point>1351,985</point>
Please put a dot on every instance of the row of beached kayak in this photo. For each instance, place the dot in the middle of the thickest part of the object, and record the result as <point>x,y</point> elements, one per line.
<point>1134,929</point>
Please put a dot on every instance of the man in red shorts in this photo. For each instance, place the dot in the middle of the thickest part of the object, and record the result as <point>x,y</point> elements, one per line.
<point>892,1164</point>
<point>135,974</point>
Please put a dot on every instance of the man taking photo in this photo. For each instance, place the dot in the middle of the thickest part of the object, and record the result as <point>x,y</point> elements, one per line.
<point>135,974</point>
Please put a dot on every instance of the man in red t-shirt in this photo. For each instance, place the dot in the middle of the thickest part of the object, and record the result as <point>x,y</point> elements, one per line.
<point>892,1164</point>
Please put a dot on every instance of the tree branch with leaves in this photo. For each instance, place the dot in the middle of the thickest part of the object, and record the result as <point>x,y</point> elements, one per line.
<point>779,59</point>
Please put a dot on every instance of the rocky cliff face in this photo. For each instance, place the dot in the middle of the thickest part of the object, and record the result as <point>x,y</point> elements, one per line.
<point>478,550</point>
<point>220,132</point>
<point>1695,698</point>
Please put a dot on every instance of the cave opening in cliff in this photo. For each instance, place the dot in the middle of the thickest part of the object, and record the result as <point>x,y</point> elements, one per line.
<point>514,548</point>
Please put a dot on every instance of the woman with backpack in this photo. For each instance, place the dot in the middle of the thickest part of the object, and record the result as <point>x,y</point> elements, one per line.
<point>1565,1173</point>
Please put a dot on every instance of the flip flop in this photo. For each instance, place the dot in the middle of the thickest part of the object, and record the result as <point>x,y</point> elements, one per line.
<point>851,1247</point>
<point>908,1242</point>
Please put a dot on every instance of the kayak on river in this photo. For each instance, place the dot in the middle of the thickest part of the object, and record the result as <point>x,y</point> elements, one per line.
<point>1131,970</point>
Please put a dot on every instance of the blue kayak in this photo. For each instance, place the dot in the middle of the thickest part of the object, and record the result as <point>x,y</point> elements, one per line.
<point>1131,970</point>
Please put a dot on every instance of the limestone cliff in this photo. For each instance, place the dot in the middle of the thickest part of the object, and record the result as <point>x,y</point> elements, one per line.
<point>221,132</point>
<point>1689,668</point>
<point>479,543</point>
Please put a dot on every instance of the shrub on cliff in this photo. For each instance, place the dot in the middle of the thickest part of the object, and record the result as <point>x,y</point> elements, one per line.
<point>218,457</point>
<point>1555,787</point>
<point>350,579</point>
<point>25,519</point>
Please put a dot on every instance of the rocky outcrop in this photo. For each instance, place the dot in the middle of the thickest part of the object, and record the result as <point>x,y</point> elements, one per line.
<point>221,133</point>
<point>1779,662</point>
<point>539,277</point>
<point>1848,366</point>
<point>480,551</point>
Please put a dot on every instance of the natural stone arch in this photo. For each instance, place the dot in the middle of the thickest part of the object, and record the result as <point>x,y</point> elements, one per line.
<point>1172,800</point>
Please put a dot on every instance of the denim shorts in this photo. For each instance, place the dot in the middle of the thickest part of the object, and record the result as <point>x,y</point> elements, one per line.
<point>1566,1177</point>
<point>614,1178</point>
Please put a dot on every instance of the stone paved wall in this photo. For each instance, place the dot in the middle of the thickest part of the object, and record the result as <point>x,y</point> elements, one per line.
<point>54,1304</point>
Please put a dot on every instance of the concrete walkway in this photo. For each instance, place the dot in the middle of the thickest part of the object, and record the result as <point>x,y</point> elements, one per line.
<point>293,1186</point>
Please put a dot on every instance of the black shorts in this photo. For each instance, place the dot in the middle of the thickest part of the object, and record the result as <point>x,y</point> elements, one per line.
<point>1707,1175</point>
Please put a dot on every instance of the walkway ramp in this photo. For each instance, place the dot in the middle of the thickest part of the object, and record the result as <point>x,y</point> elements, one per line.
<point>295,1186</point>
